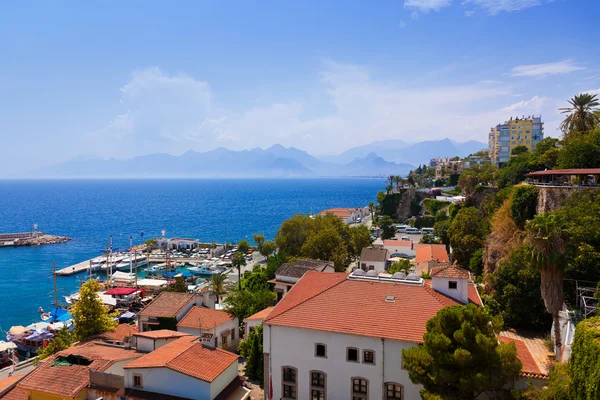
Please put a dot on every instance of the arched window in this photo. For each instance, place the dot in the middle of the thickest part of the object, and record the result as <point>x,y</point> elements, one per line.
<point>360,389</point>
<point>289,383</point>
<point>394,391</point>
<point>318,382</point>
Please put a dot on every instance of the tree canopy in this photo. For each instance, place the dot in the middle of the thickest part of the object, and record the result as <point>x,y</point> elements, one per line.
<point>467,234</point>
<point>90,315</point>
<point>460,357</point>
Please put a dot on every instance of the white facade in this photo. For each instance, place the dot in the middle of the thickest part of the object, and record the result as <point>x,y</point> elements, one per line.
<point>400,250</point>
<point>226,334</point>
<point>251,325</point>
<point>295,347</point>
<point>146,344</point>
<point>378,266</point>
<point>166,381</point>
<point>456,288</point>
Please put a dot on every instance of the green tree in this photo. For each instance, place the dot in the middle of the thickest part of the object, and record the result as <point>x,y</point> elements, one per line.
<point>217,285</point>
<point>243,246</point>
<point>259,239</point>
<point>581,151</point>
<point>429,239</point>
<point>460,357</point>
<point>90,315</point>
<point>515,292</point>
<point>440,229</point>
<point>178,286</point>
<point>475,176</point>
<point>514,170</point>
<point>519,150</point>
<point>548,235</point>
<point>435,206</point>
<point>361,238</point>
<point>410,181</point>
<point>63,340</point>
<point>398,266</point>
<point>467,234</point>
<point>251,348</point>
<point>255,280</point>
<point>523,204</point>
<point>243,303</point>
<point>388,230</point>
<point>237,262</point>
<point>327,244</point>
<point>267,248</point>
<point>380,197</point>
<point>582,114</point>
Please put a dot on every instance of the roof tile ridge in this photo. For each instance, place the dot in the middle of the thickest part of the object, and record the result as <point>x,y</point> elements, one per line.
<point>439,296</point>
<point>175,354</point>
<point>269,317</point>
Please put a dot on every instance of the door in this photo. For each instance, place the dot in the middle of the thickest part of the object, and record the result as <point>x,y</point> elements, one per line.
<point>224,342</point>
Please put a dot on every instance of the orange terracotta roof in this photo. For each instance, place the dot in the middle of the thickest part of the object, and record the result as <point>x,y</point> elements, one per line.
<point>100,351</point>
<point>118,335</point>
<point>395,243</point>
<point>6,383</point>
<point>15,393</point>
<point>167,304</point>
<point>339,212</point>
<point>161,334</point>
<point>61,380</point>
<point>204,318</point>
<point>530,367</point>
<point>259,315</point>
<point>333,303</point>
<point>431,252</point>
<point>449,271</point>
<point>185,355</point>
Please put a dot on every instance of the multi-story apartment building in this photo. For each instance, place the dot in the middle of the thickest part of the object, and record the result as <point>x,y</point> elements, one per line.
<point>448,166</point>
<point>515,132</point>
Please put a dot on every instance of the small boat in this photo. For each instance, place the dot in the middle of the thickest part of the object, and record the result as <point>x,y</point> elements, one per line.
<point>203,270</point>
<point>130,262</point>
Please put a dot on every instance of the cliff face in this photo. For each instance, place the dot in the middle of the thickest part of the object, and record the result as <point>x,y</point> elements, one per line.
<point>403,206</point>
<point>550,198</point>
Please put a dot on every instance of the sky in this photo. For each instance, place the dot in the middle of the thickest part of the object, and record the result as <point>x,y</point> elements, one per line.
<point>91,79</point>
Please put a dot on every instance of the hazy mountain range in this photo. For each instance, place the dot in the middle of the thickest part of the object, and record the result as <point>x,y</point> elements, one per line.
<point>391,157</point>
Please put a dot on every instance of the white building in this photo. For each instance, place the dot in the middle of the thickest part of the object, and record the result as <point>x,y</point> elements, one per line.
<point>183,368</point>
<point>255,320</point>
<point>146,342</point>
<point>348,215</point>
<point>374,258</point>
<point>399,248</point>
<point>339,336</point>
<point>216,327</point>
<point>287,275</point>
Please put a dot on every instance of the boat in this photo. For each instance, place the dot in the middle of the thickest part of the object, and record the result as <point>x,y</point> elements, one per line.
<point>203,270</point>
<point>57,313</point>
<point>130,262</point>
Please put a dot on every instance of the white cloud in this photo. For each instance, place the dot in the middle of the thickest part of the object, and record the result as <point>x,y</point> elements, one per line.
<point>425,6</point>
<point>175,113</point>
<point>540,70</point>
<point>593,91</point>
<point>531,106</point>
<point>494,7</point>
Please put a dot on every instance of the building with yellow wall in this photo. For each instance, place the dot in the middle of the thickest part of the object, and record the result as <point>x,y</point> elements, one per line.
<point>503,138</point>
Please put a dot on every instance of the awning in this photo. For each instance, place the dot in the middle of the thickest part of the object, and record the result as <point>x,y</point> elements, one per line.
<point>121,291</point>
<point>7,346</point>
<point>128,314</point>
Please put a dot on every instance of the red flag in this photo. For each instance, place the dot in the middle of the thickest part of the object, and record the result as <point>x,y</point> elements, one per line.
<point>270,387</point>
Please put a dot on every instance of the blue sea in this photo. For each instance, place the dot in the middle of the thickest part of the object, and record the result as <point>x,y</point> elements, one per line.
<point>90,211</point>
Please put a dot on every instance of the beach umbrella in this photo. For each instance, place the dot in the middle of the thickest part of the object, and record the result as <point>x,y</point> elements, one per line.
<point>17,330</point>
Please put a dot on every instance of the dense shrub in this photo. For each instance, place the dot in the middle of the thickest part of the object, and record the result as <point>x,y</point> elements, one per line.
<point>523,204</point>
<point>425,222</point>
<point>584,364</point>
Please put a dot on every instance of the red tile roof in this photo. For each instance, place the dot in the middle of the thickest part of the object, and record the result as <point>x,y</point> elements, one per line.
<point>396,243</point>
<point>204,318</point>
<point>449,271</point>
<point>431,252</point>
<point>61,380</point>
<point>188,357</point>
<point>7,383</point>
<point>259,315</point>
<point>100,351</point>
<point>575,171</point>
<point>530,367</point>
<point>339,212</point>
<point>161,334</point>
<point>16,393</point>
<point>333,303</point>
<point>118,335</point>
<point>167,304</point>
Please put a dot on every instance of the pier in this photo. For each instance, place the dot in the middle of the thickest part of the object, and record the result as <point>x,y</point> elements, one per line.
<point>74,269</point>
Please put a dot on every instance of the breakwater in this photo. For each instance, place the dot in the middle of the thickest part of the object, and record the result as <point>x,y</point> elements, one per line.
<point>30,239</point>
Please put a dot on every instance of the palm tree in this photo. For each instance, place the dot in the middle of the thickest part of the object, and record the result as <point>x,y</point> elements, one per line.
<point>583,114</point>
<point>217,284</point>
<point>548,235</point>
<point>391,180</point>
<point>371,208</point>
<point>238,261</point>
<point>401,181</point>
<point>389,188</point>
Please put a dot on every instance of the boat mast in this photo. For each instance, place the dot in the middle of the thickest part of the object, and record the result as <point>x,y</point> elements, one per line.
<point>55,290</point>
<point>107,263</point>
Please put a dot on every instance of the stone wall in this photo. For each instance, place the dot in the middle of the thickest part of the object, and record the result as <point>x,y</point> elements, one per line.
<point>551,197</point>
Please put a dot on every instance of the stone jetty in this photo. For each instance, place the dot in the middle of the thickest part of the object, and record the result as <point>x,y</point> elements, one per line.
<point>30,239</point>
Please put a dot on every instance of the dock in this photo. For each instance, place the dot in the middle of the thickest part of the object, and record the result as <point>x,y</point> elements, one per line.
<point>74,269</point>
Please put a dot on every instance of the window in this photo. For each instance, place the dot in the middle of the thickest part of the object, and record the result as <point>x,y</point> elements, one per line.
<point>368,357</point>
<point>317,385</point>
<point>289,382</point>
<point>371,267</point>
<point>452,285</point>
<point>360,389</point>
<point>137,381</point>
<point>232,334</point>
<point>320,350</point>
<point>393,391</point>
<point>352,354</point>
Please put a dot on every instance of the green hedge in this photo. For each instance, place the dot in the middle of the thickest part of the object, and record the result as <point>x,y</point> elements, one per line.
<point>584,364</point>
<point>425,222</point>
